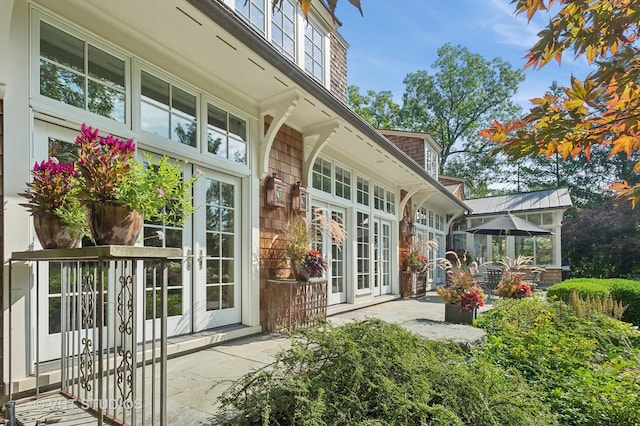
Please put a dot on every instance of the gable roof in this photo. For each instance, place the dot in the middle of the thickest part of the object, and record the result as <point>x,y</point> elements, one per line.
<point>524,201</point>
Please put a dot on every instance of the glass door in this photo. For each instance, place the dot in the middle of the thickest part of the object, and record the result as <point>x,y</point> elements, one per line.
<point>381,257</point>
<point>217,255</point>
<point>337,265</point>
<point>179,288</point>
<point>334,254</point>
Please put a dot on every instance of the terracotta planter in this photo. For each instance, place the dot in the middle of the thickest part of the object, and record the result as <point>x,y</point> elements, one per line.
<point>113,223</point>
<point>52,232</point>
<point>454,315</point>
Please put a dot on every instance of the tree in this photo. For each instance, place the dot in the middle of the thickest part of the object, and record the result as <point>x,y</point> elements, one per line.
<point>587,180</point>
<point>378,109</point>
<point>603,110</point>
<point>594,250</point>
<point>464,94</point>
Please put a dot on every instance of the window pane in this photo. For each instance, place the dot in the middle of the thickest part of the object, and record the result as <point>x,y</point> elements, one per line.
<point>154,119</point>
<point>61,84</point>
<point>237,151</point>
<point>183,102</point>
<point>155,89</point>
<point>238,127</point>
<point>106,101</point>
<point>60,47</point>
<point>105,67</point>
<point>184,130</point>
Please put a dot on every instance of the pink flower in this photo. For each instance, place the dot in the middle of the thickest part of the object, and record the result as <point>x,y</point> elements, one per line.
<point>199,171</point>
<point>160,192</point>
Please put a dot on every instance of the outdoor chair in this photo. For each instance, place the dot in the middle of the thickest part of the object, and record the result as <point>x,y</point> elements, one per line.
<point>493,278</point>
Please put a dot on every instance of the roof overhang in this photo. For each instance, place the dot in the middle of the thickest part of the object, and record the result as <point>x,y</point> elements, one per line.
<point>204,41</point>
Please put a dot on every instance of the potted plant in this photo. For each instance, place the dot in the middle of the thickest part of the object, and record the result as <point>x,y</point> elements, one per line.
<point>59,218</point>
<point>415,262</point>
<point>512,284</point>
<point>298,236</point>
<point>462,294</point>
<point>119,191</point>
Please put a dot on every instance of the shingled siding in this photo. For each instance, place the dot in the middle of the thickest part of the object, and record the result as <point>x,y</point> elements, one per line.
<point>286,161</point>
<point>338,68</point>
<point>413,147</point>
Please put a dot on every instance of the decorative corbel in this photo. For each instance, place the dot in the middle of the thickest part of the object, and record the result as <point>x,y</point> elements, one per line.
<point>318,136</point>
<point>280,108</point>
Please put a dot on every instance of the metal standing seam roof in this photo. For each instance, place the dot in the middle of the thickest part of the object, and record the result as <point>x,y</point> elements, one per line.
<point>525,201</point>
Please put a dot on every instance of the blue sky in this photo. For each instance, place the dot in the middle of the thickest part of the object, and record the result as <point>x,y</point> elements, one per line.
<point>397,37</point>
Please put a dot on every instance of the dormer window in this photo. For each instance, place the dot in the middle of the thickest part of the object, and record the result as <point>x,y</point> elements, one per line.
<point>314,51</point>
<point>431,161</point>
<point>253,11</point>
<point>283,29</point>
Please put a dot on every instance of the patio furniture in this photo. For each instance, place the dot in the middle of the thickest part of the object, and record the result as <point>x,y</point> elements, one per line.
<point>493,278</point>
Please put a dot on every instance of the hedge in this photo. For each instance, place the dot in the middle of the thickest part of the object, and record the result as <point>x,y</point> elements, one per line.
<point>625,291</point>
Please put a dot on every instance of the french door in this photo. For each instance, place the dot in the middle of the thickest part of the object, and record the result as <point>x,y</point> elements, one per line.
<point>53,140</point>
<point>217,260</point>
<point>204,286</point>
<point>335,256</point>
<point>381,257</point>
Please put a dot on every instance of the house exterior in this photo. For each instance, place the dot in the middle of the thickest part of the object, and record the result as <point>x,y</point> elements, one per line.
<point>543,208</point>
<point>232,88</point>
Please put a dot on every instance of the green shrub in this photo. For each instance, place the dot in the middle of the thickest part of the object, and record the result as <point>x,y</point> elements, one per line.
<point>591,287</point>
<point>587,366</point>
<point>374,373</point>
<point>625,291</point>
<point>628,292</point>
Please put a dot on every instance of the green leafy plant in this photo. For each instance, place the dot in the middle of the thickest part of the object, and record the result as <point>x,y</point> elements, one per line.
<point>108,172</point>
<point>512,284</point>
<point>375,373</point>
<point>414,258</point>
<point>586,365</point>
<point>461,284</point>
<point>298,234</point>
<point>53,189</point>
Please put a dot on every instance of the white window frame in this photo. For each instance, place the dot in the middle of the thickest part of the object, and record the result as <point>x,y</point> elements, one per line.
<point>266,11</point>
<point>57,108</point>
<point>317,28</point>
<point>293,57</point>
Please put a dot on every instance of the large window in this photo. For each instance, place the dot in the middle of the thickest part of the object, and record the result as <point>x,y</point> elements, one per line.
<point>253,11</point>
<point>80,74</point>
<point>539,248</point>
<point>226,135</point>
<point>283,29</point>
<point>314,52</point>
<point>167,110</point>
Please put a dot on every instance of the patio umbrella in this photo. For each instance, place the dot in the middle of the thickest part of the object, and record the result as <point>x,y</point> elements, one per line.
<point>508,224</point>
